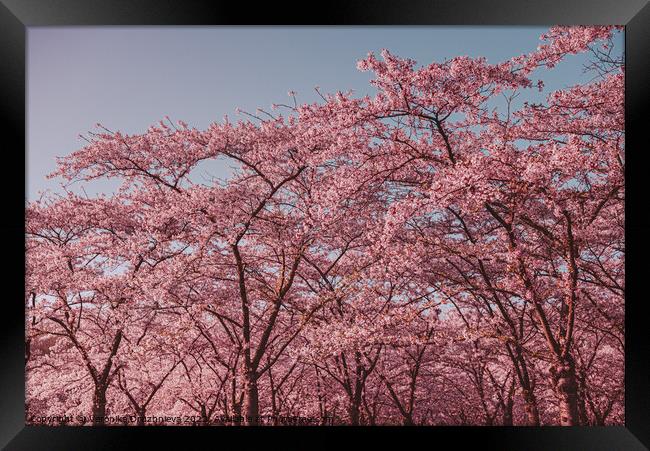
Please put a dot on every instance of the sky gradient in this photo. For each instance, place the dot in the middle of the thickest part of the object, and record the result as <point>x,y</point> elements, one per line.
<point>128,78</point>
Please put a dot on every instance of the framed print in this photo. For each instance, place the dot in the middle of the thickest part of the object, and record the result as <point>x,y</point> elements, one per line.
<point>380,222</point>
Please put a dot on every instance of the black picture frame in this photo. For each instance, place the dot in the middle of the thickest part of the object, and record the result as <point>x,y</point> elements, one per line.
<point>17,15</point>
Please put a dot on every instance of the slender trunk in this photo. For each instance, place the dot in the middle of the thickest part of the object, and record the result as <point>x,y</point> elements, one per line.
<point>582,411</point>
<point>250,408</point>
<point>236,410</point>
<point>526,386</point>
<point>582,408</point>
<point>99,405</point>
<point>507,413</point>
<point>275,411</point>
<point>356,399</point>
<point>204,415</point>
<point>353,411</point>
<point>530,406</point>
<point>322,409</point>
<point>564,373</point>
<point>140,417</point>
<point>370,408</point>
<point>251,400</point>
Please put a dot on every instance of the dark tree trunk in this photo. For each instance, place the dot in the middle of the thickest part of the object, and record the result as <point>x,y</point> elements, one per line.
<point>140,420</point>
<point>507,419</point>
<point>355,401</point>
<point>251,401</point>
<point>582,408</point>
<point>530,406</point>
<point>99,406</point>
<point>236,411</point>
<point>507,415</point>
<point>353,411</point>
<point>563,376</point>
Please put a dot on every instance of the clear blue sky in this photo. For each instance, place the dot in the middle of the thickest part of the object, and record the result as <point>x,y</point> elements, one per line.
<point>129,78</point>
